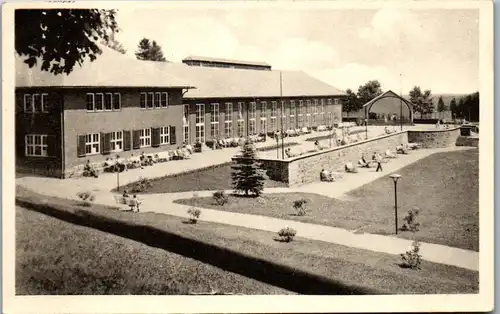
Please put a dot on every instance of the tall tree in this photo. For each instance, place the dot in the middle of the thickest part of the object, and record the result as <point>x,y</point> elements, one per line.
<point>453,107</point>
<point>61,38</point>
<point>149,50</point>
<point>350,102</point>
<point>422,102</point>
<point>114,44</point>
<point>367,92</point>
<point>247,174</point>
<point>441,106</point>
<point>468,107</point>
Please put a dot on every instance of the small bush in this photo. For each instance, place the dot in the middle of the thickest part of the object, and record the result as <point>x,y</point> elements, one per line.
<point>194,214</point>
<point>411,221</point>
<point>220,197</point>
<point>300,206</point>
<point>87,197</point>
<point>141,186</point>
<point>412,259</point>
<point>286,234</point>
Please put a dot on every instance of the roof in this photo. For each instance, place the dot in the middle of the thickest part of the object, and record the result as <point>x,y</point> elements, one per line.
<point>388,93</point>
<point>110,69</point>
<point>239,62</point>
<point>113,69</point>
<point>211,82</point>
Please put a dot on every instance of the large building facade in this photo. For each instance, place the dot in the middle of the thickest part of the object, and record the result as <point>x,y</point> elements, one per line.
<point>104,109</point>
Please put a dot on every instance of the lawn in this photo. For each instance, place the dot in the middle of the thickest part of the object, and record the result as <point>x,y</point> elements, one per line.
<point>152,253</point>
<point>212,178</point>
<point>444,187</point>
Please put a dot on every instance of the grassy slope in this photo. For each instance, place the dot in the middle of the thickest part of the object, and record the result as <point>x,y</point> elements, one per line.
<point>57,257</point>
<point>445,187</point>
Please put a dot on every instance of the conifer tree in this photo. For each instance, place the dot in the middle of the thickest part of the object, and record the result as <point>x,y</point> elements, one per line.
<point>247,176</point>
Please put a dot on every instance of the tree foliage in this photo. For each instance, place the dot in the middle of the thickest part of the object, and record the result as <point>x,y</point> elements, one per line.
<point>350,102</point>
<point>114,44</point>
<point>367,92</point>
<point>422,102</point>
<point>468,107</point>
<point>246,173</point>
<point>453,107</point>
<point>441,106</point>
<point>62,38</point>
<point>149,50</point>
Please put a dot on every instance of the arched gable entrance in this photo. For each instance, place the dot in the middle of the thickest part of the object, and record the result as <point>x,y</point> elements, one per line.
<point>389,106</point>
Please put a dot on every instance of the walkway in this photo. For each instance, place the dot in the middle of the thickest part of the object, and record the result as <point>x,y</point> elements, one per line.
<point>164,203</point>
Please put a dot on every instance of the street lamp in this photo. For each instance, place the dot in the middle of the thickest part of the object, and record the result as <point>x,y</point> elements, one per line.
<point>395,177</point>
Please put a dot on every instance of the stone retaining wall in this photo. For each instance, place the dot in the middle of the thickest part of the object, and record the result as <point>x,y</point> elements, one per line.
<point>434,138</point>
<point>306,168</point>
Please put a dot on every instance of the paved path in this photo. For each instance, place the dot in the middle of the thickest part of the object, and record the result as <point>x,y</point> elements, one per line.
<point>164,203</point>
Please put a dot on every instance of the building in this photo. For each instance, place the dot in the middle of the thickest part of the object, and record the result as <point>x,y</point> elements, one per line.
<point>387,105</point>
<point>118,105</point>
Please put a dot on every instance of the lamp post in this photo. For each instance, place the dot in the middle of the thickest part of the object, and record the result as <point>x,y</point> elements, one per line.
<point>118,181</point>
<point>395,177</point>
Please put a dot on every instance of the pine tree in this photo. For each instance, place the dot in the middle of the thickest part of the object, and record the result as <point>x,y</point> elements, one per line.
<point>247,174</point>
<point>149,50</point>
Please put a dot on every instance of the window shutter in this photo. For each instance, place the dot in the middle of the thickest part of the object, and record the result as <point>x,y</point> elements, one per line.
<point>81,146</point>
<point>173,139</point>
<point>105,143</point>
<point>136,141</point>
<point>52,146</point>
<point>127,143</point>
<point>155,137</point>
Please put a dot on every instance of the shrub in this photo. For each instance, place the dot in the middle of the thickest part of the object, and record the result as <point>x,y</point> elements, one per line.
<point>411,221</point>
<point>194,214</point>
<point>412,259</point>
<point>220,197</point>
<point>300,206</point>
<point>286,234</point>
<point>87,197</point>
<point>141,186</point>
<point>247,175</point>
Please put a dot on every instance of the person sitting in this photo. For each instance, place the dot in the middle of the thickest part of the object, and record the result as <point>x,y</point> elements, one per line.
<point>89,171</point>
<point>324,175</point>
<point>189,148</point>
<point>363,163</point>
<point>387,131</point>
<point>400,149</point>
<point>390,154</point>
<point>412,146</point>
<point>349,167</point>
<point>108,165</point>
<point>289,153</point>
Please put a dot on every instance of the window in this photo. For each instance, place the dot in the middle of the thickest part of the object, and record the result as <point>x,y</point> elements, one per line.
<point>300,114</point>
<point>274,113</point>
<point>292,114</point>
<point>200,123</point>
<point>241,122</point>
<point>336,101</point>
<point>329,101</point>
<point>252,127</point>
<point>108,99</point>
<point>157,100</point>
<point>116,141</point>
<point>214,121</point>
<point>145,137</point>
<point>35,102</point>
<point>263,116</point>
<point>144,98</point>
<point>185,124</point>
<point>92,144</point>
<point>117,101</point>
<point>164,100</point>
<point>150,102</point>
<point>164,135</point>
<point>322,112</point>
<point>36,145</point>
<point>283,113</point>
<point>228,120</point>
<point>99,100</point>
<point>315,112</point>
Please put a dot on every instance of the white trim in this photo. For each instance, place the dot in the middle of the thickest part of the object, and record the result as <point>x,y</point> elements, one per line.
<point>95,145</point>
<point>145,137</point>
<point>145,100</point>
<point>110,101</point>
<point>164,135</point>
<point>151,97</point>
<point>164,98</point>
<point>30,148</point>
<point>119,102</point>
<point>157,101</point>
<point>116,137</point>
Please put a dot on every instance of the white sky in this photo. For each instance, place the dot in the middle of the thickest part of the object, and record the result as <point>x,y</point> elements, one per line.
<point>434,49</point>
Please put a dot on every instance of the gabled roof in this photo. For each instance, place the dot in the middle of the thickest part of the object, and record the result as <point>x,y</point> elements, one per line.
<point>211,82</point>
<point>216,60</point>
<point>110,69</point>
<point>386,94</point>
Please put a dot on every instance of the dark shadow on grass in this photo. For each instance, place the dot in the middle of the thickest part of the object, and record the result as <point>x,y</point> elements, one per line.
<point>286,277</point>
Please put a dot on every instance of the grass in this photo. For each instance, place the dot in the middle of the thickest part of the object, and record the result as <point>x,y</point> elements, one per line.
<point>152,253</point>
<point>443,186</point>
<point>212,178</point>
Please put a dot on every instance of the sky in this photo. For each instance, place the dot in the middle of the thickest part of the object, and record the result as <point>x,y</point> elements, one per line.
<point>435,49</point>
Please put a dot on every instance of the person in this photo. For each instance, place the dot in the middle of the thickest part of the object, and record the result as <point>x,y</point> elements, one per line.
<point>400,149</point>
<point>386,129</point>
<point>89,171</point>
<point>349,167</point>
<point>379,166</point>
<point>125,193</point>
<point>389,154</point>
<point>324,175</point>
<point>363,163</point>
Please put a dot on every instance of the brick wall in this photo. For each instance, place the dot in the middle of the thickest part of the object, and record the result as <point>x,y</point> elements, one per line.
<point>434,138</point>
<point>307,168</point>
<point>77,121</point>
